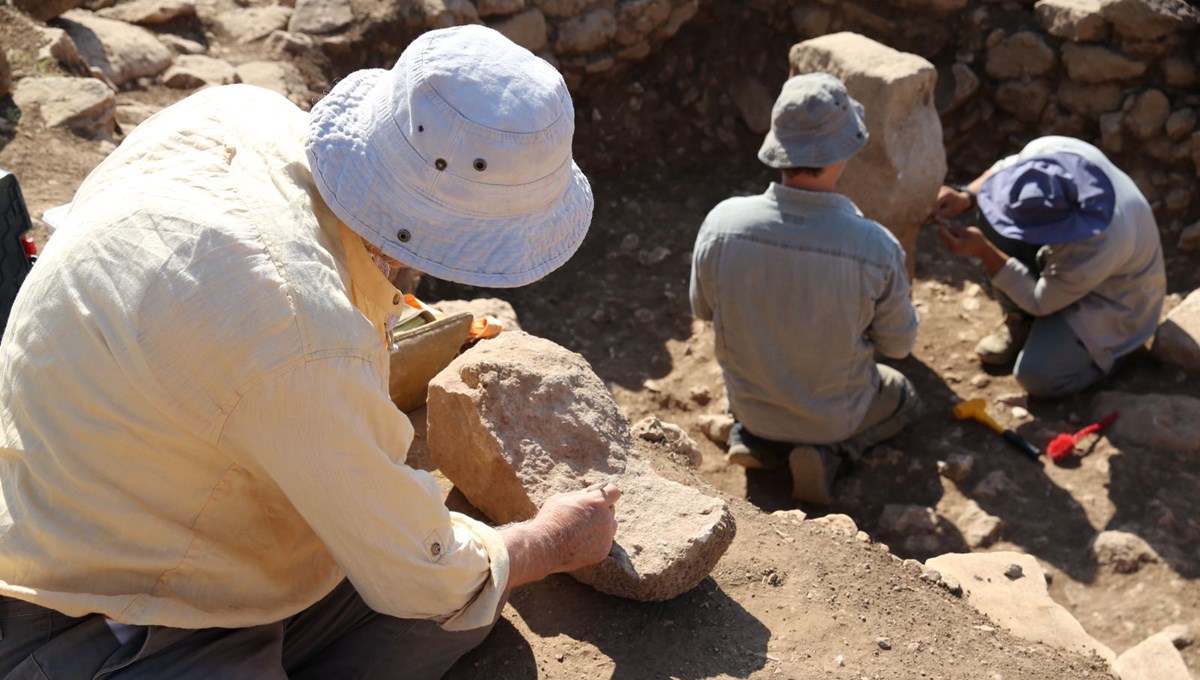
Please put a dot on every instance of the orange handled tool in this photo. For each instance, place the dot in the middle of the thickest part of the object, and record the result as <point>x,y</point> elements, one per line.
<point>976,409</point>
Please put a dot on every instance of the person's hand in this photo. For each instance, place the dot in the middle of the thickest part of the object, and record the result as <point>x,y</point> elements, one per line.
<point>572,530</point>
<point>963,240</point>
<point>951,202</point>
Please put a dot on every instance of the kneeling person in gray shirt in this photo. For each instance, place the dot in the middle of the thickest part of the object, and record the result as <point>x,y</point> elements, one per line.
<point>803,293</point>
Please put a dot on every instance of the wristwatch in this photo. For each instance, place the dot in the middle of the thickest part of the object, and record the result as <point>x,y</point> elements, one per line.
<point>966,190</point>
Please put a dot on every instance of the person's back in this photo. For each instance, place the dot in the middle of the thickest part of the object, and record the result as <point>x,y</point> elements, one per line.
<point>794,278</point>
<point>804,293</point>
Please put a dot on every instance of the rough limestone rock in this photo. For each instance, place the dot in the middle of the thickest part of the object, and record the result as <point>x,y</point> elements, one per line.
<point>147,12</point>
<point>1074,20</point>
<point>1021,55</point>
<point>1022,605</point>
<point>45,10</point>
<point>1149,114</point>
<point>1143,20</point>
<point>249,24</point>
<point>1089,100</point>
<point>1189,240</point>
<point>494,7</point>
<point>517,419</point>
<point>1092,64</point>
<point>197,70</point>
<point>754,102</point>
<point>120,51</point>
<point>682,448</point>
<point>905,152</point>
<point>1153,421</point>
<point>320,17</point>
<point>527,29</point>
<point>447,13</point>
<point>280,76</point>
<point>86,106</point>
<point>979,528</point>
<point>1178,338</point>
<point>5,75</point>
<point>1122,551</point>
<point>57,45</point>
<point>586,32</point>
<point>1154,658</point>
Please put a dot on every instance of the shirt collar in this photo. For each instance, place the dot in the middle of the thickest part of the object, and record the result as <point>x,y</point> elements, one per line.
<point>786,195</point>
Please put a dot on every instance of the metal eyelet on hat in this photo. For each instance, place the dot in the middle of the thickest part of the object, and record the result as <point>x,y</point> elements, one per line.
<point>440,164</point>
<point>480,164</point>
<point>420,128</point>
<point>404,235</point>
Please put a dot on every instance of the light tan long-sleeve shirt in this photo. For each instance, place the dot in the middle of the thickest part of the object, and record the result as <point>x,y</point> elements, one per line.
<point>195,427</point>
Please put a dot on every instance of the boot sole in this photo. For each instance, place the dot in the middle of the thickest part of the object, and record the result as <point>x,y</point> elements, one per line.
<point>812,475</point>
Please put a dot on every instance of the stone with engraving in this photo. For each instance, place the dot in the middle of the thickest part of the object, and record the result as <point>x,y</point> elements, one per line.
<point>1022,605</point>
<point>517,418</point>
<point>905,151</point>
<point>120,51</point>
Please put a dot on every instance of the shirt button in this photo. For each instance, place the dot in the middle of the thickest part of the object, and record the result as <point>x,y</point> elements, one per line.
<point>436,549</point>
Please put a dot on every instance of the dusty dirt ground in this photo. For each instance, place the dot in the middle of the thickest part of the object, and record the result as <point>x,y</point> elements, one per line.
<point>790,600</point>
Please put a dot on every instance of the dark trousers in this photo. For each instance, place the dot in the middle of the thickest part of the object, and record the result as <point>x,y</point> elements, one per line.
<point>338,637</point>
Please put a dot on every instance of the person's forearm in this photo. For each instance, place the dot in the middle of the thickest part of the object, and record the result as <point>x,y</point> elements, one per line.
<point>993,259</point>
<point>530,558</point>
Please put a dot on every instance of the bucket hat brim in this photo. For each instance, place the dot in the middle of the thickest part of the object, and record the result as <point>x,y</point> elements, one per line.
<point>1047,200</point>
<point>355,170</point>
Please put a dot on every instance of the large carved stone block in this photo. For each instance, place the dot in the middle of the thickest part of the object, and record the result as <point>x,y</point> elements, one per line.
<point>895,178</point>
<point>518,419</point>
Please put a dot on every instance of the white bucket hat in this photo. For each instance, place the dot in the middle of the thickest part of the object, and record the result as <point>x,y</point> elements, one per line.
<point>457,161</point>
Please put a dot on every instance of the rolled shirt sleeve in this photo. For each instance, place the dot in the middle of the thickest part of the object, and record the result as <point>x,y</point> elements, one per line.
<point>325,432</point>
<point>701,277</point>
<point>1069,272</point>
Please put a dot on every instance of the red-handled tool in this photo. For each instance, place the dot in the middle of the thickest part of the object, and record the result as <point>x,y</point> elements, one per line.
<point>1063,445</point>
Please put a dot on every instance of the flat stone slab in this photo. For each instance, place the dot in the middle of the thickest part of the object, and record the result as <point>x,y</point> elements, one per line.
<point>1178,338</point>
<point>1154,658</point>
<point>1155,421</point>
<point>517,419</point>
<point>1018,599</point>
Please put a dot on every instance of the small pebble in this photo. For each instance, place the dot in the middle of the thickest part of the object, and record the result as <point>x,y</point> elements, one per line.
<point>1020,412</point>
<point>1014,572</point>
<point>840,661</point>
<point>883,643</point>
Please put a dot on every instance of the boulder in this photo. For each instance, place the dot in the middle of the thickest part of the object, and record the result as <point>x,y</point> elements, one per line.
<point>1154,658</point>
<point>1091,64</point>
<point>1154,421</point>
<point>45,10</point>
<point>480,308</point>
<point>754,102</point>
<point>5,75</point>
<point>979,528</point>
<point>527,29</point>
<point>148,12</point>
<point>1149,114</point>
<point>1189,242</point>
<point>85,106</point>
<point>1089,101</point>
<point>196,70</point>
<point>1178,338</point>
<point>905,152</point>
<point>499,7</point>
<point>320,17</point>
<point>1021,604</point>
<point>1024,99</point>
<point>121,52</point>
<point>1021,55</point>
<point>447,13</point>
<point>516,419</point>
<point>1074,20</point>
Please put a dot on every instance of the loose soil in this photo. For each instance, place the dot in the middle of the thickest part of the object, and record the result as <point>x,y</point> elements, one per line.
<point>789,600</point>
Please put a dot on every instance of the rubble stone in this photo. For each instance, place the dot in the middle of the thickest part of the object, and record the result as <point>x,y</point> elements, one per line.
<point>586,32</point>
<point>1178,338</point>
<point>320,17</point>
<point>1022,605</point>
<point>121,51</point>
<point>1149,114</point>
<point>147,12</point>
<point>527,29</point>
<point>1154,658</point>
<point>517,419</point>
<point>1025,99</point>
<point>489,8</point>
<point>281,76</point>
<point>1122,551</point>
<point>85,106</point>
<point>1020,55</point>
<point>905,149</point>
<point>1089,101</point>
<point>248,24</point>
<point>45,10</point>
<point>197,70</point>
<point>1154,421</point>
<point>1141,20</point>
<point>1092,64</point>
<point>1074,20</point>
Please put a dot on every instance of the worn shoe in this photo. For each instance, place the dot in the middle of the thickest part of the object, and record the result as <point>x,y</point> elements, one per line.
<point>740,454</point>
<point>813,471</point>
<point>1003,345</point>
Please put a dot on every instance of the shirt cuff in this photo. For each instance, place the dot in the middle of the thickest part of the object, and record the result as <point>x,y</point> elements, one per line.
<point>482,609</point>
<point>1015,281</point>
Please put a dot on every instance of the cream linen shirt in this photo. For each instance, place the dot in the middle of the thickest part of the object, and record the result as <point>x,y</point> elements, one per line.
<point>196,429</point>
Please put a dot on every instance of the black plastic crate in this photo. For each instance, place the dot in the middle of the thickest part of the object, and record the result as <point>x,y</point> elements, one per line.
<point>16,258</point>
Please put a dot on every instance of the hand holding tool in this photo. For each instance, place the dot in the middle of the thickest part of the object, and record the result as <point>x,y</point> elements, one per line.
<point>976,409</point>
<point>1063,445</point>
